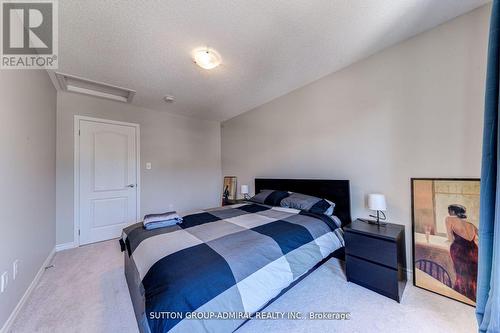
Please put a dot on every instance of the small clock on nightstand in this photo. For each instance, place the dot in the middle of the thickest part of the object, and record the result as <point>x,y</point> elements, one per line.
<point>376,257</point>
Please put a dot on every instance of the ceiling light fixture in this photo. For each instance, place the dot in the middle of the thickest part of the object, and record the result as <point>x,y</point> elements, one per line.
<point>206,58</point>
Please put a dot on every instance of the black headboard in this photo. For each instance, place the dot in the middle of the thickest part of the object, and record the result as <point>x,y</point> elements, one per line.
<point>337,191</point>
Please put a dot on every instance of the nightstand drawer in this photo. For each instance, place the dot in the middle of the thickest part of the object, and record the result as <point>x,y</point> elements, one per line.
<point>374,249</point>
<point>372,276</point>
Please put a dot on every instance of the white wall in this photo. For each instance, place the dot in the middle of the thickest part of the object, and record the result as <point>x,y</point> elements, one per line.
<point>184,152</point>
<point>27,183</point>
<point>413,110</point>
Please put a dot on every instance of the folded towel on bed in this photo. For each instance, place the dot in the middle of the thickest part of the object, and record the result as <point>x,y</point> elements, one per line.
<point>155,221</point>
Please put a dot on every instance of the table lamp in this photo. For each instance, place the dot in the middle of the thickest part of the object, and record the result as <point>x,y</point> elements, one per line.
<point>376,202</point>
<point>244,191</point>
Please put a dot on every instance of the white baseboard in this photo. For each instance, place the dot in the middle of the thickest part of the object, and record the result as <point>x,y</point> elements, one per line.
<point>13,315</point>
<point>409,275</point>
<point>65,246</point>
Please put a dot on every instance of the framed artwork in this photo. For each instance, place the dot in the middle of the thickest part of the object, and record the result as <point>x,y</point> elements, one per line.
<point>229,189</point>
<point>445,222</point>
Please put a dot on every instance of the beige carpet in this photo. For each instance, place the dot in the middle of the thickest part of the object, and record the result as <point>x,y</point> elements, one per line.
<point>86,292</point>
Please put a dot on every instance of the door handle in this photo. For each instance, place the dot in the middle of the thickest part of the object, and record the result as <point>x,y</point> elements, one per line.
<point>131,185</point>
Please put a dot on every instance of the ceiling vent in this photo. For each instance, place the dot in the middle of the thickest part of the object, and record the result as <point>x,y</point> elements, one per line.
<point>80,85</point>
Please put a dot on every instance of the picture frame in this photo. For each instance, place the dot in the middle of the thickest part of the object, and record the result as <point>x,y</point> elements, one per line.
<point>229,187</point>
<point>445,225</point>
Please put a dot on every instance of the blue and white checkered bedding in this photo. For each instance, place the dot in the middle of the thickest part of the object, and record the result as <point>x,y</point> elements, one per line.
<point>230,260</point>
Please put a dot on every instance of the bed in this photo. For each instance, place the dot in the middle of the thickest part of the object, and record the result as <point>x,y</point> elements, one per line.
<point>218,267</point>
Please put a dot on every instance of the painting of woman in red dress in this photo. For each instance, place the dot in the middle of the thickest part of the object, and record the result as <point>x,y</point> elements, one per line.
<point>463,250</point>
<point>445,214</point>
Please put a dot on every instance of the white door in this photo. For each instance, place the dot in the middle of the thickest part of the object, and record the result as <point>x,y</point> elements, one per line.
<point>107,179</point>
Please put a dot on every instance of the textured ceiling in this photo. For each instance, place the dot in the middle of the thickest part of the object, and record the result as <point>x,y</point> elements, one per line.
<point>268,47</point>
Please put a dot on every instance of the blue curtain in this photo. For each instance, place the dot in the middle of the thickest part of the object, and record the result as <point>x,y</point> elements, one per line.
<point>488,284</point>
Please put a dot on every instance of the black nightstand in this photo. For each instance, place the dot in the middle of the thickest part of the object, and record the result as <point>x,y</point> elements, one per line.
<point>233,202</point>
<point>376,257</point>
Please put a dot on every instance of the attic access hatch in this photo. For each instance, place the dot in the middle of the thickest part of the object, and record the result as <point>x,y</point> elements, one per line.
<point>80,85</point>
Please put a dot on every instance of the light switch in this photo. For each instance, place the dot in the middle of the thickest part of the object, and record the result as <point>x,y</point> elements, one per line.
<point>15,269</point>
<point>148,166</point>
<point>4,280</point>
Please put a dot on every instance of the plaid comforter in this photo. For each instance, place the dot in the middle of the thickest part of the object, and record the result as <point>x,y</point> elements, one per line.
<point>230,261</point>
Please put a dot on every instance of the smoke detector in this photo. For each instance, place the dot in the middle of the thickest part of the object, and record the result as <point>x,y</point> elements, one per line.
<point>169,99</point>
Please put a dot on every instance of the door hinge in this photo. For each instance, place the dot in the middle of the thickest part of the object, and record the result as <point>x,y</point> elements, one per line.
<point>78,132</point>
<point>78,232</point>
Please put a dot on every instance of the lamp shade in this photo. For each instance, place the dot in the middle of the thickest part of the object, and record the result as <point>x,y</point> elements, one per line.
<point>376,201</point>
<point>244,189</point>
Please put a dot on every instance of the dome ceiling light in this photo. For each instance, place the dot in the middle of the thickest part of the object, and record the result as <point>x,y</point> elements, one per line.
<point>206,58</point>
